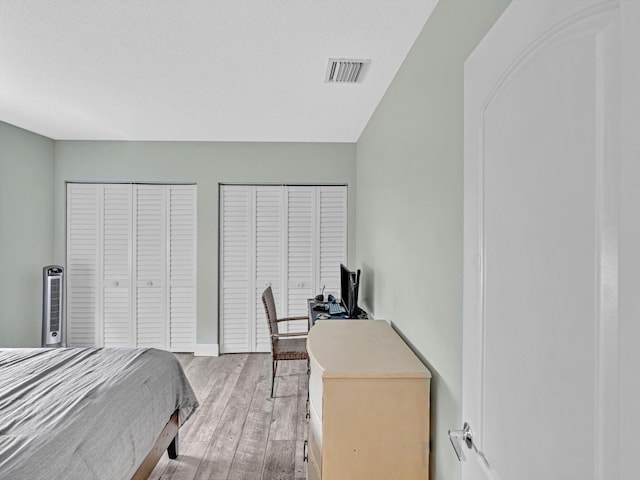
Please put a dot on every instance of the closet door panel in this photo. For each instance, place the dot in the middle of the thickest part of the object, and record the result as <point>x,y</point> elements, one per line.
<point>236,271</point>
<point>332,251</point>
<point>117,328</point>
<point>301,231</point>
<point>150,271</point>
<point>182,267</point>
<point>268,254</point>
<point>83,266</point>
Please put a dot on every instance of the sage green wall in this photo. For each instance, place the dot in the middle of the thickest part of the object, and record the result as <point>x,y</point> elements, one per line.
<point>26,232</point>
<point>206,164</point>
<point>409,206</point>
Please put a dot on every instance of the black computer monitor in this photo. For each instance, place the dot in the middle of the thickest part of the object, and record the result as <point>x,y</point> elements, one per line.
<point>349,282</point>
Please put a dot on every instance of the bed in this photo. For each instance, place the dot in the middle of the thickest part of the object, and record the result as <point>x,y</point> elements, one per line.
<point>89,413</point>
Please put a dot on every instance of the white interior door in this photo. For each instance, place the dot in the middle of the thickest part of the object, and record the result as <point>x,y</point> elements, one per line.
<point>540,368</point>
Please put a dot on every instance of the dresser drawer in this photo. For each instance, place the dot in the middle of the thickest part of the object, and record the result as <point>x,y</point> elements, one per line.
<point>315,443</point>
<point>315,427</point>
<point>313,466</point>
<point>315,387</point>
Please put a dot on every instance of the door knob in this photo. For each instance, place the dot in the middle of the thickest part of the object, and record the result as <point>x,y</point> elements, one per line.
<point>116,283</point>
<point>459,437</point>
<point>464,438</point>
<point>149,283</point>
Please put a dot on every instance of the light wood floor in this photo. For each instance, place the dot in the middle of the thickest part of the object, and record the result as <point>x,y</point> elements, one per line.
<point>239,432</point>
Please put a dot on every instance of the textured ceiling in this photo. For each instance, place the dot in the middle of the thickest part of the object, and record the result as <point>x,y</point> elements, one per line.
<point>198,70</point>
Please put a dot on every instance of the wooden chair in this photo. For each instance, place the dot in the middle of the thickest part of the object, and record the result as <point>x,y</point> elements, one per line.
<point>284,346</point>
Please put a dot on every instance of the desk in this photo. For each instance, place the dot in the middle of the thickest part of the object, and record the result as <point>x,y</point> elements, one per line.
<point>313,314</point>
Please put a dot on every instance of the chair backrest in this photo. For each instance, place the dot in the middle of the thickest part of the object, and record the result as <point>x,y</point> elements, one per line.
<point>270,311</point>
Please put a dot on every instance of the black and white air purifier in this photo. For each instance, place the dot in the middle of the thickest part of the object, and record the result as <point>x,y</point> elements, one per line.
<point>52,297</point>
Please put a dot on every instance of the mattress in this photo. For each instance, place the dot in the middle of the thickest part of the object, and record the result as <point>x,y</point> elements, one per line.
<point>85,413</point>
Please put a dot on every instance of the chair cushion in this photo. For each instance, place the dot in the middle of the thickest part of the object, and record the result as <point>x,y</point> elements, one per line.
<point>290,348</point>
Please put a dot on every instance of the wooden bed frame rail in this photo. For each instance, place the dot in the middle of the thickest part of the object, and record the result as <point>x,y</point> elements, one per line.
<point>168,440</point>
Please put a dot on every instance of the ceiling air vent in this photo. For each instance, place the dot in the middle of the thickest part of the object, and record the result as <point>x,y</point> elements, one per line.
<point>345,70</point>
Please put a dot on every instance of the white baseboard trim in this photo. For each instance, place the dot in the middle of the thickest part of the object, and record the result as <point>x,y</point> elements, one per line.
<point>206,350</point>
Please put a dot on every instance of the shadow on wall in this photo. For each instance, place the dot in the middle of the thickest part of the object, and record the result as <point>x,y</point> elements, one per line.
<point>367,289</point>
<point>440,398</point>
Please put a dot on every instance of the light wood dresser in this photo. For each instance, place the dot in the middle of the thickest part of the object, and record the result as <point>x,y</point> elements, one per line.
<point>368,404</point>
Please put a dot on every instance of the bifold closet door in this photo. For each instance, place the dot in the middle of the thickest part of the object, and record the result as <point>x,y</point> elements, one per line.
<point>269,238</point>
<point>332,237</point>
<point>151,266</point>
<point>286,237</point>
<point>251,250</point>
<point>165,266</point>
<point>98,265</point>
<point>235,271</point>
<point>131,266</point>
<point>182,258</point>
<point>114,323</point>
<point>316,245</point>
<point>300,254</point>
<point>83,282</point>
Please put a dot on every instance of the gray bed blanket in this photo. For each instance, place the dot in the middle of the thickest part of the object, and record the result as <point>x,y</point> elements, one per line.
<point>85,413</point>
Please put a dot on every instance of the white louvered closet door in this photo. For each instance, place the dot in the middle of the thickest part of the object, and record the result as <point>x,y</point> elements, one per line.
<point>268,253</point>
<point>332,248</point>
<point>251,253</point>
<point>300,253</point>
<point>115,322</point>
<point>182,267</point>
<point>83,272</point>
<point>292,238</point>
<point>236,271</point>
<point>151,266</point>
<point>131,266</point>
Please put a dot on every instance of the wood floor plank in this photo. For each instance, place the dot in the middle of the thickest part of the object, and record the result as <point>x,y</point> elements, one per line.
<point>203,373</point>
<point>222,448</point>
<point>279,461</point>
<point>185,359</point>
<point>184,467</point>
<point>239,432</point>
<point>214,402</point>
<point>248,461</point>
<point>285,404</point>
